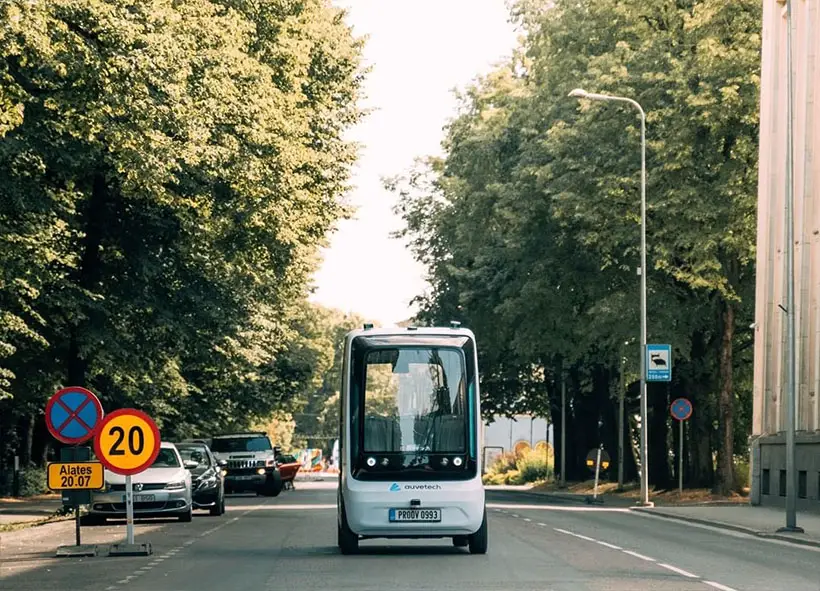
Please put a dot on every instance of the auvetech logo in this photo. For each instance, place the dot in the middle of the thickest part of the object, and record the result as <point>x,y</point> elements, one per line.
<point>396,488</point>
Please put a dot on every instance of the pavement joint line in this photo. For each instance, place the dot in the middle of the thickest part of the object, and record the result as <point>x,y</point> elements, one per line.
<point>718,586</point>
<point>680,571</point>
<point>637,555</point>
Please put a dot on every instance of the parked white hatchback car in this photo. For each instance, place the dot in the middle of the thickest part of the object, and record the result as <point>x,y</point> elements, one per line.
<point>162,490</point>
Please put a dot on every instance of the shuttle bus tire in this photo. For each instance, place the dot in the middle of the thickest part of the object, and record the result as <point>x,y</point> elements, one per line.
<point>478,541</point>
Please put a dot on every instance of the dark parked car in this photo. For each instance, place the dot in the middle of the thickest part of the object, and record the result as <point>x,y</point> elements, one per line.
<point>208,478</point>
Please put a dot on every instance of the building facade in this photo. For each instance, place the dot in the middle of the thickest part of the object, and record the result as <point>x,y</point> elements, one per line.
<point>770,410</point>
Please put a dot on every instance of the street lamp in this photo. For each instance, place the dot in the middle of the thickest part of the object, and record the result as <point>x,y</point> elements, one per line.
<point>583,94</point>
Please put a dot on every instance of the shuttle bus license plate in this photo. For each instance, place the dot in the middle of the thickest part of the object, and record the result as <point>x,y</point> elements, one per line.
<point>410,515</point>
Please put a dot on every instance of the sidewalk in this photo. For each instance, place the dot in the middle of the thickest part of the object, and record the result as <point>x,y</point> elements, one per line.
<point>755,520</point>
<point>14,511</point>
<point>731,515</point>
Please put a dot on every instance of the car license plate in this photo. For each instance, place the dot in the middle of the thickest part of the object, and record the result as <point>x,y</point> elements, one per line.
<point>244,477</point>
<point>418,515</point>
<point>142,498</point>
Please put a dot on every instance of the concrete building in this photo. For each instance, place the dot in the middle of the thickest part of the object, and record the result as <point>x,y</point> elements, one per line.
<point>770,411</point>
<point>523,432</point>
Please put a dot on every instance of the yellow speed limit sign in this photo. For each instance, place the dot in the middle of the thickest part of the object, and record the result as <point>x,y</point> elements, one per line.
<point>75,476</point>
<point>127,441</point>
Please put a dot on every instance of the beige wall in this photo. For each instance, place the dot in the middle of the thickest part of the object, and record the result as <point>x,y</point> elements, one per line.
<point>769,375</point>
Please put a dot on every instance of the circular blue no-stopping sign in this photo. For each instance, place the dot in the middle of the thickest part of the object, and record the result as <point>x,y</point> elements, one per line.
<point>73,414</point>
<point>681,409</point>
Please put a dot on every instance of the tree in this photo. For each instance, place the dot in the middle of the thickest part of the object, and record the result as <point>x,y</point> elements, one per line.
<point>173,167</point>
<point>529,225</point>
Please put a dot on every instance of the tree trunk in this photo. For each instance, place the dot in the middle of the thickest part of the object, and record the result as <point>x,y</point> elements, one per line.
<point>89,271</point>
<point>726,404</point>
<point>26,456</point>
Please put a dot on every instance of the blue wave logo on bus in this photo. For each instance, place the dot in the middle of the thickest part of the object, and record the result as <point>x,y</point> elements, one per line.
<point>395,487</point>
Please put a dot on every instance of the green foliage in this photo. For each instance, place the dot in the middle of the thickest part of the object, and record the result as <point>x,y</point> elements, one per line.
<point>170,169</point>
<point>530,466</point>
<point>529,225</point>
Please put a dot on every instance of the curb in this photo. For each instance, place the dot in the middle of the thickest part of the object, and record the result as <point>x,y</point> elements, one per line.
<point>729,526</point>
<point>565,498</point>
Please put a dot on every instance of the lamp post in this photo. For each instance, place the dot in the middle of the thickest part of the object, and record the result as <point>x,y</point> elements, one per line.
<point>791,361</point>
<point>583,94</point>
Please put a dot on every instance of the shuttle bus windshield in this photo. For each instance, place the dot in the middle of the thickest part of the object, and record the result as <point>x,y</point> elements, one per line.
<point>412,410</point>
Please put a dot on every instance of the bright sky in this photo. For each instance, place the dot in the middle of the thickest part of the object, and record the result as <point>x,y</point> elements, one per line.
<point>419,50</point>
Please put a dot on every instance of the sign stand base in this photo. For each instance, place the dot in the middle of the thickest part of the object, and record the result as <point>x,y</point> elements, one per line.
<point>131,550</point>
<point>77,551</point>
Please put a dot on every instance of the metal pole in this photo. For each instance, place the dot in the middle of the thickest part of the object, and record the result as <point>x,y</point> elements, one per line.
<point>563,431</point>
<point>129,509</point>
<point>791,399</point>
<point>644,410</point>
<point>680,459</point>
<point>597,473</point>
<point>621,427</point>
<point>77,523</point>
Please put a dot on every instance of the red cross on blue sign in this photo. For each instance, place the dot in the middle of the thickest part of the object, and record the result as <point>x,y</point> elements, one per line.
<point>73,414</point>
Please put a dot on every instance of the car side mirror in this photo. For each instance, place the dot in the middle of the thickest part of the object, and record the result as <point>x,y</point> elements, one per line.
<point>223,463</point>
<point>189,465</point>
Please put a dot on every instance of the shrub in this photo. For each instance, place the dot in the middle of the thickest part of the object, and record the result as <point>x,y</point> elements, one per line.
<point>533,466</point>
<point>741,475</point>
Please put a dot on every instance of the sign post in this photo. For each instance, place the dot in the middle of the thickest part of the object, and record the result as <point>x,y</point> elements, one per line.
<point>597,459</point>
<point>72,416</point>
<point>681,410</point>
<point>127,443</point>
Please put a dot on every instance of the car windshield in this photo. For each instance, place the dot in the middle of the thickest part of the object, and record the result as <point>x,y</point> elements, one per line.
<point>415,401</point>
<point>166,459</point>
<point>238,444</point>
<point>195,454</point>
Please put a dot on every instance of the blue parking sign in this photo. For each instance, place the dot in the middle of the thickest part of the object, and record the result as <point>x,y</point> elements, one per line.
<point>659,363</point>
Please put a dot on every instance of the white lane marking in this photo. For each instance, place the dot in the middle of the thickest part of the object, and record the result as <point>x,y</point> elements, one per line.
<point>526,519</point>
<point>514,515</point>
<point>608,545</point>
<point>563,531</point>
<point>636,555</point>
<point>543,524</point>
<point>680,571</point>
<point>587,538</point>
<point>719,586</point>
<point>520,507</point>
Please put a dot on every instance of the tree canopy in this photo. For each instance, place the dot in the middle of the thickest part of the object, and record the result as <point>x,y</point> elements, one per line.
<point>171,168</point>
<point>529,226</point>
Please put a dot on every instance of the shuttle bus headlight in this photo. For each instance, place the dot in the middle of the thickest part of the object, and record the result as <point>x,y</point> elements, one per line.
<point>385,462</point>
<point>457,462</point>
<point>371,462</point>
<point>444,461</point>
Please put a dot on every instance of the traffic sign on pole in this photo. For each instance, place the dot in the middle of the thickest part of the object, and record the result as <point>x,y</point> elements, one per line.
<point>681,409</point>
<point>594,460</point>
<point>127,441</point>
<point>73,414</point>
<point>659,363</point>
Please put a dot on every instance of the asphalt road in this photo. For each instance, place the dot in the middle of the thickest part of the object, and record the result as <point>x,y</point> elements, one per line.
<point>289,543</point>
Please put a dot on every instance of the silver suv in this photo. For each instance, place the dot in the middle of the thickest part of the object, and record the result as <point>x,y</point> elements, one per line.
<point>251,463</point>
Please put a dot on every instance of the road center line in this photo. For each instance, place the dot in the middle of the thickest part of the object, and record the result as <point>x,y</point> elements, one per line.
<point>641,556</point>
<point>680,571</point>
<point>719,586</point>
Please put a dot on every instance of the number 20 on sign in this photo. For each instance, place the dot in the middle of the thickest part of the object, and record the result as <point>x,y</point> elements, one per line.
<point>127,441</point>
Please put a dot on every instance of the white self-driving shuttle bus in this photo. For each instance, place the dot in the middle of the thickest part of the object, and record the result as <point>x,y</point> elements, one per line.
<point>410,432</point>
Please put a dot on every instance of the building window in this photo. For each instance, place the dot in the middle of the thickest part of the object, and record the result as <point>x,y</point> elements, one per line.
<point>766,482</point>
<point>802,484</point>
<point>782,483</point>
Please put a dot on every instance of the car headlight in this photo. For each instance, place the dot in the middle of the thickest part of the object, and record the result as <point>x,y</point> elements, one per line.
<point>269,463</point>
<point>178,485</point>
<point>206,481</point>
